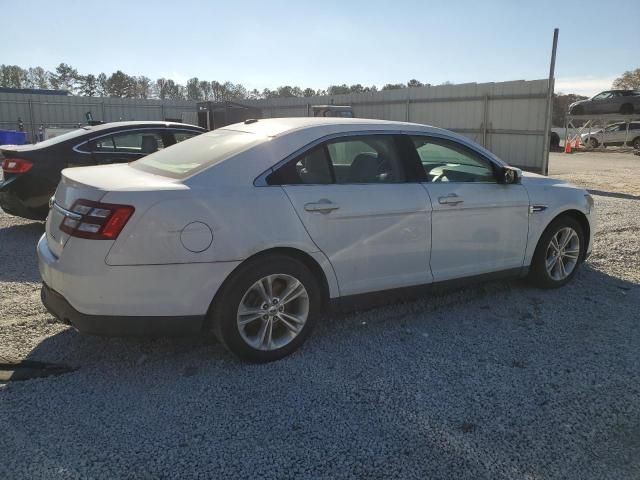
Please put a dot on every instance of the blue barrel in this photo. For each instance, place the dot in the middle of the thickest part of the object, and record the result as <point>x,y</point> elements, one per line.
<point>10,137</point>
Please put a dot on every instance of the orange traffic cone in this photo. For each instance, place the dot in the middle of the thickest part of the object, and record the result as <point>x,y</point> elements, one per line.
<point>577,142</point>
<point>567,146</point>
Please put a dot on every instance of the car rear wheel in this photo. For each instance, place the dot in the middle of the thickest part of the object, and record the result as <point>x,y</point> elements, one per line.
<point>593,143</point>
<point>266,309</point>
<point>559,253</point>
<point>636,143</point>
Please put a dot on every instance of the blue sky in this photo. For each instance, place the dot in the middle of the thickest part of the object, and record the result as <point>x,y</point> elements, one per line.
<point>315,44</point>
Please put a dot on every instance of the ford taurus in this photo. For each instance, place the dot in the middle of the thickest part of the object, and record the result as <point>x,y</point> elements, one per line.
<point>250,231</point>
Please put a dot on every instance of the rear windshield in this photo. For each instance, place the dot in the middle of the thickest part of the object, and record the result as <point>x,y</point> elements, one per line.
<point>191,156</point>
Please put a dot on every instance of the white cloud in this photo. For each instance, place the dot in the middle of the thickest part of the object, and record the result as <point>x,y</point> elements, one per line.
<point>587,86</point>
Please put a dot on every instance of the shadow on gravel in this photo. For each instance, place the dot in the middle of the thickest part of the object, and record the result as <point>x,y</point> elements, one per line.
<point>590,287</point>
<point>18,260</point>
<point>495,381</point>
<point>625,196</point>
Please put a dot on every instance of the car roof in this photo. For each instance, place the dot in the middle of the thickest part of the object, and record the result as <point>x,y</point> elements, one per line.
<point>274,127</point>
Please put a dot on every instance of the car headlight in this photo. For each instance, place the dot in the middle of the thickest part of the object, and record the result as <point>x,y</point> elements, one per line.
<point>589,199</point>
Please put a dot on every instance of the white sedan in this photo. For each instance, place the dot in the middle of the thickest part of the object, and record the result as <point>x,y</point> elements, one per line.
<point>252,230</point>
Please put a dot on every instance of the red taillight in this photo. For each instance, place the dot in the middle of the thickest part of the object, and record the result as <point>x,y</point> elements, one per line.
<point>95,220</point>
<point>16,165</point>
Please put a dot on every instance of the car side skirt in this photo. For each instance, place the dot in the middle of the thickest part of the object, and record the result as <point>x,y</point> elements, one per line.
<point>368,300</point>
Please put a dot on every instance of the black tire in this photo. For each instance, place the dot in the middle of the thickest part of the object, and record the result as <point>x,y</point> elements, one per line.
<point>538,274</point>
<point>626,109</point>
<point>593,142</point>
<point>579,110</point>
<point>636,143</point>
<point>554,141</point>
<point>224,310</point>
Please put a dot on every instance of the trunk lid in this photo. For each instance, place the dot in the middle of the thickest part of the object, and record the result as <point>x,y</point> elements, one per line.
<point>93,183</point>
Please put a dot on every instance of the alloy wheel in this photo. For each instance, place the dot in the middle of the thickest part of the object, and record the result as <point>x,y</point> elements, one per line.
<point>273,311</point>
<point>562,253</point>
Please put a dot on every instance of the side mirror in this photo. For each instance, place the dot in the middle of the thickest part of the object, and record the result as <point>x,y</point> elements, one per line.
<point>510,175</point>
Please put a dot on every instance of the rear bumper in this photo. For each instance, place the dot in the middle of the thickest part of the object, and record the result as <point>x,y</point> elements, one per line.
<point>144,299</point>
<point>116,326</point>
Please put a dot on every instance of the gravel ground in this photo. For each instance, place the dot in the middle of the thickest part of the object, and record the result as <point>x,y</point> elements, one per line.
<point>496,381</point>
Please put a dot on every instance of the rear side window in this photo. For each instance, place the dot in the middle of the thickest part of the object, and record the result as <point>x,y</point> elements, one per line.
<point>368,159</point>
<point>187,158</point>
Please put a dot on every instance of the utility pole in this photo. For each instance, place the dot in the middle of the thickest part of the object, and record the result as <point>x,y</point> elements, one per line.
<point>549,110</point>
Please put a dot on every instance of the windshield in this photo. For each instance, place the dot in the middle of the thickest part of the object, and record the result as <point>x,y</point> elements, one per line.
<point>64,137</point>
<point>191,156</point>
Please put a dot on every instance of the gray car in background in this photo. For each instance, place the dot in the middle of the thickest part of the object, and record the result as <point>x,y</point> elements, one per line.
<point>625,102</point>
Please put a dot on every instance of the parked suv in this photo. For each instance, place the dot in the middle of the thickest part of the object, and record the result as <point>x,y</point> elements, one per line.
<point>31,172</point>
<point>625,102</point>
<point>614,134</point>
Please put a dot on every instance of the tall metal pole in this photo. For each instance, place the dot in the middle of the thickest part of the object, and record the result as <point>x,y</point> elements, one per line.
<point>549,112</point>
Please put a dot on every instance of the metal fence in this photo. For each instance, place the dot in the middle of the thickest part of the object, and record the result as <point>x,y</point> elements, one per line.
<point>507,118</point>
<point>36,110</point>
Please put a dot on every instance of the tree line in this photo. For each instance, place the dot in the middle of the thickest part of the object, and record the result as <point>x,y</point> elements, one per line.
<point>122,85</point>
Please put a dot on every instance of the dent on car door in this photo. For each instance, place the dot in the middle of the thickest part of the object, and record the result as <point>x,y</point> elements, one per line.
<point>478,225</point>
<point>354,199</point>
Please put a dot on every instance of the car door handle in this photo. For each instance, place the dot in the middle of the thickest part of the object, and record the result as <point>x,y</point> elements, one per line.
<point>450,199</point>
<point>321,206</point>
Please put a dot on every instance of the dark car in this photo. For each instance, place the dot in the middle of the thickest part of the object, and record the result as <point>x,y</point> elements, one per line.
<point>31,172</point>
<point>624,102</point>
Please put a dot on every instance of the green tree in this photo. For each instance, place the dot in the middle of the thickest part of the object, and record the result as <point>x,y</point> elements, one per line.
<point>394,86</point>
<point>414,83</point>
<point>65,78</point>
<point>120,85</point>
<point>338,89</point>
<point>161,89</point>
<point>205,88</point>
<point>141,87</point>
<point>38,77</point>
<point>88,85</point>
<point>193,89</point>
<point>561,104</point>
<point>12,76</point>
<point>628,80</point>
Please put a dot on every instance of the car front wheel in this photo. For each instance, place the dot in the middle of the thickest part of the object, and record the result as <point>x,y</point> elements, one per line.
<point>266,309</point>
<point>558,254</point>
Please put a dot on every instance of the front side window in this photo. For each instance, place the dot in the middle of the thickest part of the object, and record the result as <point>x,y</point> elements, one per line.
<point>448,161</point>
<point>370,159</point>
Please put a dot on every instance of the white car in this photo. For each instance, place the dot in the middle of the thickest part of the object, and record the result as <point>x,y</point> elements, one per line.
<point>614,134</point>
<point>251,230</point>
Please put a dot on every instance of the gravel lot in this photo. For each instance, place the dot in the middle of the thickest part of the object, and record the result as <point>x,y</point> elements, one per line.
<point>496,381</point>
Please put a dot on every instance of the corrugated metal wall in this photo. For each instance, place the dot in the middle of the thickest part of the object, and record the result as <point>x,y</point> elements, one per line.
<point>66,111</point>
<point>505,117</point>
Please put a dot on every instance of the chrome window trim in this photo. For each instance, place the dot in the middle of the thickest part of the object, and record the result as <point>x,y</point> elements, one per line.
<point>261,180</point>
<point>117,132</point>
